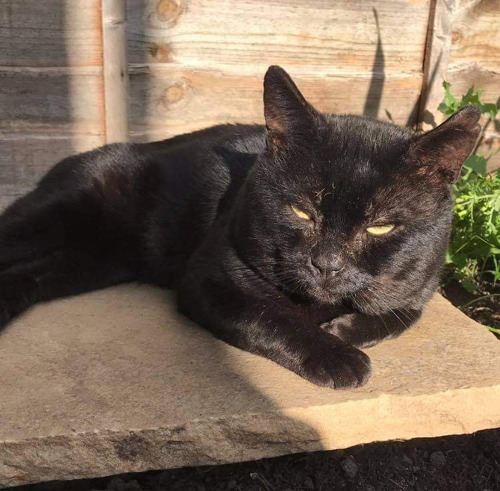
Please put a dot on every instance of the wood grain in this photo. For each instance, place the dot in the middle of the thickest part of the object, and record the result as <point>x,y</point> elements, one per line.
<point>196,63</point>
<point>51,92</point>
<point>475,60</point>
<point>50,33</point>
<point>476,35</point>
<point>437,55</point>
<point>46,115</point>
<point>168,102</point>
<point>24,159</point>
<point>44,98</point>
<point>248,35</point>
<point>115,67</point>
<point>464,76</point>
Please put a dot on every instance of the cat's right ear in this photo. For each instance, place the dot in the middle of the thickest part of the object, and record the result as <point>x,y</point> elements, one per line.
<point>442,151</point>
<point>288,115</point>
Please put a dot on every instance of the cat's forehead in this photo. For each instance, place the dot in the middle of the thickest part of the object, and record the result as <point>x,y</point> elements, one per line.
<point>370,131</point>
<point>357,151</point>
<point>347,157</point>
<point>361,141</point>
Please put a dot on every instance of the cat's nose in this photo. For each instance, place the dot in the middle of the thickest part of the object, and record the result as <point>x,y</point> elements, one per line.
<point>327,266</point>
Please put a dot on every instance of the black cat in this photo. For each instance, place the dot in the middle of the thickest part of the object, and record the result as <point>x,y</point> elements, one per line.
<point>300,241</point>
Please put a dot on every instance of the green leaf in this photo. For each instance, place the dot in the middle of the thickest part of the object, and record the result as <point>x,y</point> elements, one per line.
<point>473,256</point>
<point>490,109</point>
<point>443,108</point>
<point>459,260</point>
<point>469,285</point>
<point>477,163</point>
<point>470,97</point>
<point>450,104</point>
<point>493,329</point>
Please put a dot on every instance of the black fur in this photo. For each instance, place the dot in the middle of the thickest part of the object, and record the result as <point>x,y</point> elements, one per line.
<point>209,213</point>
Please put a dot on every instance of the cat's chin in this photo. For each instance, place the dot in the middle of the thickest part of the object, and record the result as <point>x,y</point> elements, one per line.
<point>334,291</point>
<point>316,294</point>
<point>325,292</point>
<point>325,296</point>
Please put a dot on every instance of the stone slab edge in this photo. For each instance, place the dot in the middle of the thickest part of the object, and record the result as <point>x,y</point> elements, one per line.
<point>249,436</point>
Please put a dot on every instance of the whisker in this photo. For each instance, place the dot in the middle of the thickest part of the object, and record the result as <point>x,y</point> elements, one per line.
<point>385,324</point>
<point>399,318</point>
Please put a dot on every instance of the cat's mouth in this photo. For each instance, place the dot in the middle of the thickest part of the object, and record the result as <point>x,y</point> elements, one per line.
<point>328,289</point>
<point>301,278</point>
<point>325,290</point>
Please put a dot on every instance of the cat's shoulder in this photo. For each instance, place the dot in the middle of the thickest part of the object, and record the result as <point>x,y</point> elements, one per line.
<point>239,137</point>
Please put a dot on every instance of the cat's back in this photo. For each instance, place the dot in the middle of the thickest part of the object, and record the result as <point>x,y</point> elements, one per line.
<point>187,182</point>
<point>199,167</point>
<point>206,143</point>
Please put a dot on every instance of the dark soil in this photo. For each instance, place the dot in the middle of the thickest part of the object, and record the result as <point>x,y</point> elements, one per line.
<point>483,307</point>
<point>456,463</point>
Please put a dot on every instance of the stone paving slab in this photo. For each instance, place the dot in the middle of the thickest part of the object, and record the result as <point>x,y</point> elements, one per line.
<point>117,381</point>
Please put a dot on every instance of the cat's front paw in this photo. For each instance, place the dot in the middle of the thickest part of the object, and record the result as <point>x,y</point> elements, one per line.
<point>356,330</point>
<point>340,367</point>
<point>341,327</point>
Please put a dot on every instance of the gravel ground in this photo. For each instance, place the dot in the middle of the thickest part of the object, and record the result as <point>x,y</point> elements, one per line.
<point>457,463</point>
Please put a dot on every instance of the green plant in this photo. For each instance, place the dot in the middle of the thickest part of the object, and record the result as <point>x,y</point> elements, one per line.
<point>473,257</point>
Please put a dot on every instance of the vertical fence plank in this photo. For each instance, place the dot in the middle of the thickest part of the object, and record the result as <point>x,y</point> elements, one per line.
<point>115,65</point>
<point>437,56</point>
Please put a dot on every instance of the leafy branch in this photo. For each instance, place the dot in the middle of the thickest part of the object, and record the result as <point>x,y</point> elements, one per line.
<point>473,257</point>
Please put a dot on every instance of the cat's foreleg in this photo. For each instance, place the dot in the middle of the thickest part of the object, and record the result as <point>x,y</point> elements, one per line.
<point>363,330</point>
<point>268,330</point>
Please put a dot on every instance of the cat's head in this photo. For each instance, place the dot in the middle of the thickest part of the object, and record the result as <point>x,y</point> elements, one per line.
<point>345,207</point>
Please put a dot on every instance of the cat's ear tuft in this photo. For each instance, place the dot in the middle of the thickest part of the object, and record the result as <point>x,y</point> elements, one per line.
<point>286,111</point>
<point>443,150</point>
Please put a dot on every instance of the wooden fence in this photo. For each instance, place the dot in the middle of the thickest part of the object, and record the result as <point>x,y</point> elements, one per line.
<point>194,63</point>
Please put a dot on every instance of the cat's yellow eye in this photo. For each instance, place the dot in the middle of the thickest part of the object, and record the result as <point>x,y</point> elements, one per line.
<point>300,213</point>
<point>382,230</point>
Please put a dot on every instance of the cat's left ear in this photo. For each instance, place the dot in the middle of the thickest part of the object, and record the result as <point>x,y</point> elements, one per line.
<point>445,148</point>
<point>288,115</point>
